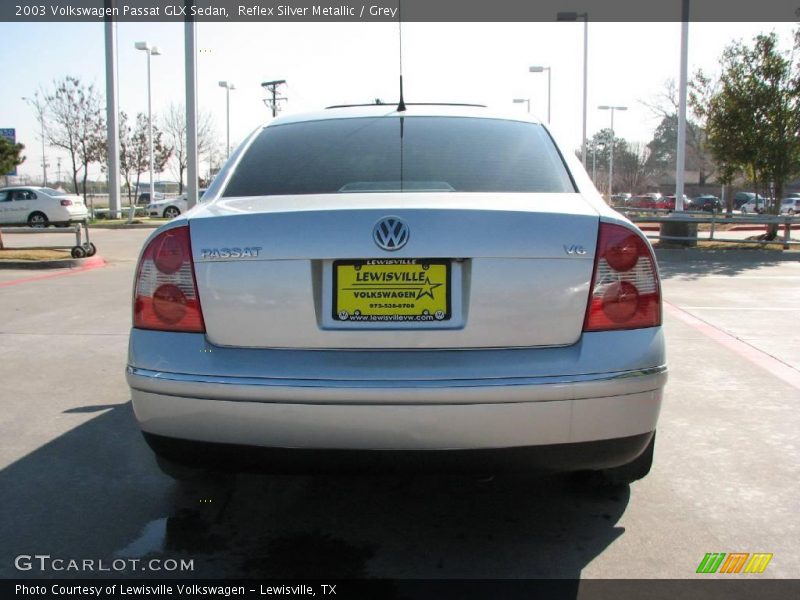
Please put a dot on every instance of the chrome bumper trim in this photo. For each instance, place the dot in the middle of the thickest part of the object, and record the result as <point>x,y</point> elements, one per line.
<point>418,391</point>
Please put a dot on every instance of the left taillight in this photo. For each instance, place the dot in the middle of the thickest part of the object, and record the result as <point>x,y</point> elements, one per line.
<point>66,203</point>
<point>626,292</point>
<point>165,292</point>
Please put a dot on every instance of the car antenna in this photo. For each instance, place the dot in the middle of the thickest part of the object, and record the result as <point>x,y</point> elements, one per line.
<point>402,105</point>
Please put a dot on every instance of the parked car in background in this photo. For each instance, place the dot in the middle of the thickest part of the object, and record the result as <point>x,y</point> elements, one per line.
<point>756,205</point>
<point>370,287</point>
<point>707,202</point>
<point>170,207</point>
<point>40,206</point>
<point>651,200</point>
<point>790,206</point>
<point>741,198</point>
<point>621,199</point>
<point>668,202</point>
<point>144,198</point>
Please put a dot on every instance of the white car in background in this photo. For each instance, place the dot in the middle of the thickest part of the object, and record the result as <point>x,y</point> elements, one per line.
<point>170,207</point>
<point>40,206</point>
<point>757,205</point>
<point>790,206</point>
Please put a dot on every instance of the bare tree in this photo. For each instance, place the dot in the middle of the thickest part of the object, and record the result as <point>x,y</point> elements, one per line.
<point>134,155</point>
<point>75,123</point>
<point>665,139</point>
<point>633,168</point>
<point>214,156</point>
<point>174,127</point>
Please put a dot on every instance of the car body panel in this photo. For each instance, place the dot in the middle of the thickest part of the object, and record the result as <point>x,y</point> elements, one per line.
<point>278,298</point>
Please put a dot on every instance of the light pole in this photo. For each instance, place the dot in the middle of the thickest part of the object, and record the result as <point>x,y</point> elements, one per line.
<point>681,149</point>
<point>549,71</point>
<point>37,106</point>
<point>611,154</point>
<point>228,87</point>
<point>151,51</point>
<point>573,16</point>
<point>521,100</point>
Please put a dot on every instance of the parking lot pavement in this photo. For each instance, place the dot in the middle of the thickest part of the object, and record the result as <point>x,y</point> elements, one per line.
<point>77,481</point>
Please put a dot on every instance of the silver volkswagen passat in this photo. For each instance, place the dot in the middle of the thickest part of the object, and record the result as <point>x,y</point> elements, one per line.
<point>366,286</point>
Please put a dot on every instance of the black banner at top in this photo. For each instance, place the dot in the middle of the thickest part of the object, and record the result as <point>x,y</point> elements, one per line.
<point>393,10</point>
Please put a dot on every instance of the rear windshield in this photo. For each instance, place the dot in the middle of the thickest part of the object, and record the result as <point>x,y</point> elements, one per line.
<point>400,154</point>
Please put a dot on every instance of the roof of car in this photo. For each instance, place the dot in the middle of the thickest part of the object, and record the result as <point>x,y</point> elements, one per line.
<point>412,110</point>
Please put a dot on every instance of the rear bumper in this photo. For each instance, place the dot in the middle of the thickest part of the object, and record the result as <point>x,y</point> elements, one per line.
<point>187,394</point>
<point>237,457</point>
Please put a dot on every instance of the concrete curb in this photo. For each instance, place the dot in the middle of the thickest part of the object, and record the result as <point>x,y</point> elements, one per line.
<point>61,263</point>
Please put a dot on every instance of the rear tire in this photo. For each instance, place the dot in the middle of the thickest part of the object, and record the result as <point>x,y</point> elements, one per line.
<point>634,470</point>
<point>171,212</point>
<point>37,219</point>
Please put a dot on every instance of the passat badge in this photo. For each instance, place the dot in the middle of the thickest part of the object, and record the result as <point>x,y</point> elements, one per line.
<point>221,253</point>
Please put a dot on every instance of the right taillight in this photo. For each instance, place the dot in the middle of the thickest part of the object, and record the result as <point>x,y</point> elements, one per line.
<point>165,293</point>
<point>625,289</point>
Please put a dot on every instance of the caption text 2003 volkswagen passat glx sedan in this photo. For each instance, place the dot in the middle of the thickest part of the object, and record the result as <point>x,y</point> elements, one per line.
<point>368,286</point>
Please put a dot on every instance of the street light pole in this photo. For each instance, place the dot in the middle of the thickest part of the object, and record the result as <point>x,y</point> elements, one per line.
<point>151,51</point>
<point>549,72</point>
<point>680,159</point>
<point>521,100</point>
<point>573,16</point>
<point>228,87</point>
<point>611,154</point>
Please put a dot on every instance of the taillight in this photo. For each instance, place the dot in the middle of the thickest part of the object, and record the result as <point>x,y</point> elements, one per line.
<point>625,289</point>
<point>66,203</point>
<point>165,294</point>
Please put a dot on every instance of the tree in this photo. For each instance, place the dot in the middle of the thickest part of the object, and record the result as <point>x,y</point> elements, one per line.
<point>10,158</point>
<point>663,147</point>
<point>135,154</point>
<point>129,161</point>
<point>75,124</point>
<point>753,118</point>
<point>632,165</point>
<point>174,126</point>
<point>10,155</point>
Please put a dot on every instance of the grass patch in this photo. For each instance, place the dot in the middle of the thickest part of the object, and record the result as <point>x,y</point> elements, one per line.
<point>23,254</point>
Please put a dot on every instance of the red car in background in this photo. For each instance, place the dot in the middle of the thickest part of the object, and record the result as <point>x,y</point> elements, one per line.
<point>656,200</point>
<point>653,200</point>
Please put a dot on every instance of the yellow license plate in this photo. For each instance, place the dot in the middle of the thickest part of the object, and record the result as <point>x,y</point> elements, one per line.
<point>414,290</point>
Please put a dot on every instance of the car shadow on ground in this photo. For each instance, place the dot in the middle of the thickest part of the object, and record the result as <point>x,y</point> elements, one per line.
<point>95,492</point>
<point>694,264</point>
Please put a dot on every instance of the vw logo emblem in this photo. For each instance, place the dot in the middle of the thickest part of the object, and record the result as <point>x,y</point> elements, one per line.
<point>390,233</point>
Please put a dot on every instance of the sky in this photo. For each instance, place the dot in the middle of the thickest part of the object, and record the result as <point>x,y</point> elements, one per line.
<point>339,63</point>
